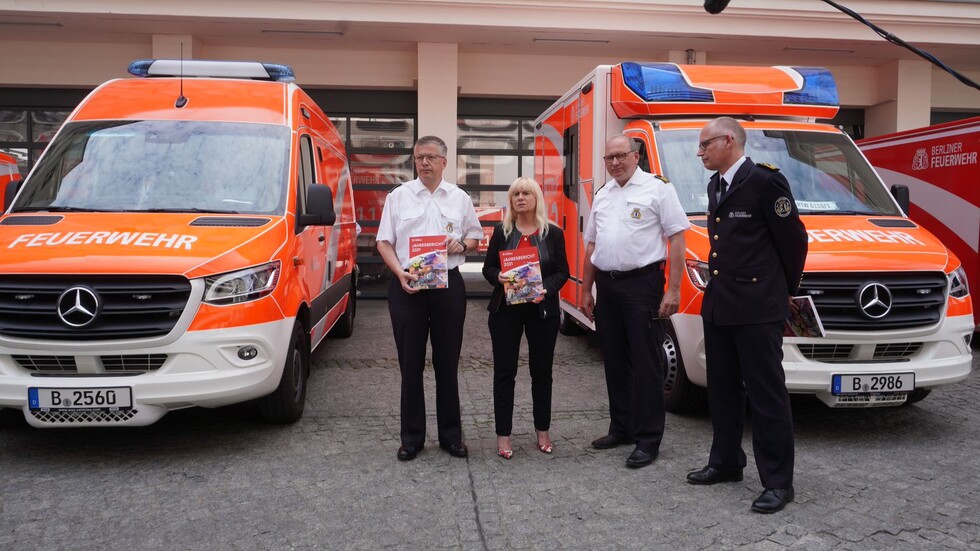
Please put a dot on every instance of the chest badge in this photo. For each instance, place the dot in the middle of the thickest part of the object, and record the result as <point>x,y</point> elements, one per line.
<point>783,207</point>
<point>635,214</point>
<point>449,227</point>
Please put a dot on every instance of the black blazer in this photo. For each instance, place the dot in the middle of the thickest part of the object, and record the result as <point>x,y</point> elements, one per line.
<point>758,248</point>
<point>554,266</point>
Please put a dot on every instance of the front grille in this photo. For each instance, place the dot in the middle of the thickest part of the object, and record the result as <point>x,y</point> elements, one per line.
<point>105,417</point>
<point>47,364</point>
<point>129,307</point>
<point>826,352</point>
<point>113,365</point>
<point>133,363</point>
<point>917,299</point>
<point>896,350</point>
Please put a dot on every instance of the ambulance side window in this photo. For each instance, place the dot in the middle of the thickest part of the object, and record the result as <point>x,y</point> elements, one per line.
<point>644,162</point>
<point>307,172</point>
<point>570,181</point>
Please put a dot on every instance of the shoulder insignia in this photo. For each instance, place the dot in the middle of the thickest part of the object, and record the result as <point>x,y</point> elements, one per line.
<point>661,178</point>
<point>769,166</point>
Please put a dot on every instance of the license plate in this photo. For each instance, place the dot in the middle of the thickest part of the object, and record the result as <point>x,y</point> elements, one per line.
<point>873,383</point>
<point>80,399</point>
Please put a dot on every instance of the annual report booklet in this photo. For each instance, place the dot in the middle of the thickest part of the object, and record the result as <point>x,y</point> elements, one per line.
<point>805,322</point>
<point>427,259</point>
<point>522,268</point>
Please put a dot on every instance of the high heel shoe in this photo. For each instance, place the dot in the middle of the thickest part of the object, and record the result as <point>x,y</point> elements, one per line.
<point>545,447</point>
<point>506,454</point>
<point>504,447</point>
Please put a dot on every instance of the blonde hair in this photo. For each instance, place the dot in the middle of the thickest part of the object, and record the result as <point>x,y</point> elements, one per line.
<point>540,218</point>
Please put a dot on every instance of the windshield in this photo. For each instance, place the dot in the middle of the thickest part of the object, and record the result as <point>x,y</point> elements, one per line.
<point>825,171</point>
<point>161,166</point>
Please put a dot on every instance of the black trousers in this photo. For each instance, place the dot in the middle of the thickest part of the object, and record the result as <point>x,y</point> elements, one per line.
<point>746,360</point>
<point>415,318</point>
<point>631,339</point>
<point>507,325</point>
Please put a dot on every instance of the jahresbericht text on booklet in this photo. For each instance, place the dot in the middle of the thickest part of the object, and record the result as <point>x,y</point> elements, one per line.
<point>427,259</point>
<point>522,268</point>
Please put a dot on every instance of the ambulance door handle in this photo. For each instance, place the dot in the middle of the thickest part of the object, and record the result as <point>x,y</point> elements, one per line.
<point>321,238</point>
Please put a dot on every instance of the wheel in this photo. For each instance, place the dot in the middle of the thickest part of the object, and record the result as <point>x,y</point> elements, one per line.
<point>285,405</point>
<point>10,417</point>
<point>568,324</point>
<point>680,394</point>
<point>917,395</point>
<point>344,327</point>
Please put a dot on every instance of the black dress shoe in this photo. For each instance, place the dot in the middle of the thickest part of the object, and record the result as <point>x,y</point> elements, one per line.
<point>639,458</point>
<point>408,453</point>
<point>773,499</point>
<point>711,475</point>
<point>610,441</point>
<point>456,450</point>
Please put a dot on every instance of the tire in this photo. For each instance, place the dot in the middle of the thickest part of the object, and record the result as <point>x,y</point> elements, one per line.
<point>344,327</point>
<point>917,395</point>
<point>286,404</point>
<point>10,417</point>
<point>568,325</point>
<point>680,394</point>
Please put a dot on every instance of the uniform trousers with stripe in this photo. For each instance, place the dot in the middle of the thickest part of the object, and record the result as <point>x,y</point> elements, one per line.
<point>436,314</point>
<point>631,338</point>
<point>746,361</point>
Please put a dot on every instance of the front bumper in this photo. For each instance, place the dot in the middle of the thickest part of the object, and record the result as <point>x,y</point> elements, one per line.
<point>202,368</point>
<point>939,355</point>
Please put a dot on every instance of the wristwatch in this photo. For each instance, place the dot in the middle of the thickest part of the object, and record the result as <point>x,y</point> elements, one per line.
<point>463,243</point>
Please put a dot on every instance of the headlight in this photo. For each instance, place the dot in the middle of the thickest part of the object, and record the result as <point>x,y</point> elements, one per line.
<point>958,286</point>
<point>699,274</point>
<point>243,285</point>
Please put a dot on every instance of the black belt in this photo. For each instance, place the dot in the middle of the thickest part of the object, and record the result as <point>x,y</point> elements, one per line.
<point>614,274</point>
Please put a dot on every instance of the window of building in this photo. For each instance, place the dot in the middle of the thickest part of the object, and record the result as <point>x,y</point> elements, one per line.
<point>24,133</point>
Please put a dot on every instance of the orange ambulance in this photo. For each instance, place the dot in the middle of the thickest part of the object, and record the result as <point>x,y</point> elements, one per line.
<point>187,239</point>
<point>894,301</point>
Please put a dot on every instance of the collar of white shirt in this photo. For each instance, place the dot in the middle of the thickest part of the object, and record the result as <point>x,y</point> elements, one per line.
<point>729,174</point>
<point>418,187</point>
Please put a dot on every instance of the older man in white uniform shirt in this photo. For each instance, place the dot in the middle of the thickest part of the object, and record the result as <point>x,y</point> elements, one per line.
<point>428,206</point>
<point>634,217</point>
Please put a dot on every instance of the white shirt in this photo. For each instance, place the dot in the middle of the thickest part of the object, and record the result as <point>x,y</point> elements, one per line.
<point>411,210</point>
<point>630,224</point>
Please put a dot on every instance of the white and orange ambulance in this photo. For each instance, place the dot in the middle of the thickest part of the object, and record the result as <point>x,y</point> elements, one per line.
<point>940,165</point>
<point>893,300</point>
<point>187,239</point>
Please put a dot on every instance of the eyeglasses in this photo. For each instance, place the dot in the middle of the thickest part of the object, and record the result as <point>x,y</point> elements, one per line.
<point>621,157</point>
<point>431,158</point>
<point>704,145</point>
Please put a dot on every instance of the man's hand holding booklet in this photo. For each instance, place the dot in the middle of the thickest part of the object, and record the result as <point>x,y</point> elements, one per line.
<point>803,320</point>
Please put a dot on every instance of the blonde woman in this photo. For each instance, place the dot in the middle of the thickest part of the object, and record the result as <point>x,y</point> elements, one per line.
<point>524,225</point>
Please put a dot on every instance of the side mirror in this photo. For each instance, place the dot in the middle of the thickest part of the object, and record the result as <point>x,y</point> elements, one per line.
<point>901,194</point>
<point>319,207</point>
<point>9,192</point>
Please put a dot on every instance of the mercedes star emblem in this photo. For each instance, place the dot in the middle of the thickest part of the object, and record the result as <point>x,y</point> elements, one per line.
<point>875,300</point>
<point>78,307</point>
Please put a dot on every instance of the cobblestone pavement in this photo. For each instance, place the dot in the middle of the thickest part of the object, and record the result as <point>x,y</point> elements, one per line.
<point>899,478</point>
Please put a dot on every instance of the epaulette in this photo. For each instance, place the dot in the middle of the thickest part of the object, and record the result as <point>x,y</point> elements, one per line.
<point>769,166</point>
<point>661,178</point>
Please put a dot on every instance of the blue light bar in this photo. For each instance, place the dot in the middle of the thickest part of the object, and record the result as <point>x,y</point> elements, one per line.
<point>661,82</point>
<point>190,68</point>
<point>818,88</point>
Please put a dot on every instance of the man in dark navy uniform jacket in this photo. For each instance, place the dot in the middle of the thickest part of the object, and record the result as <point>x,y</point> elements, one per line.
<point>758,248</point>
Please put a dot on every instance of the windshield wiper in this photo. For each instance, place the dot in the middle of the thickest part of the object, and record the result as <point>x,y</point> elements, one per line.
<point>56,208</point>
<point>842,212</point>
<point>193,210</point>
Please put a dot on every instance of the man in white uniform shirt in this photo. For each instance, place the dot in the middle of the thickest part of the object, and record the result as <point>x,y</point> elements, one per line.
<point>428,206</point>
<point>634,217</point>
